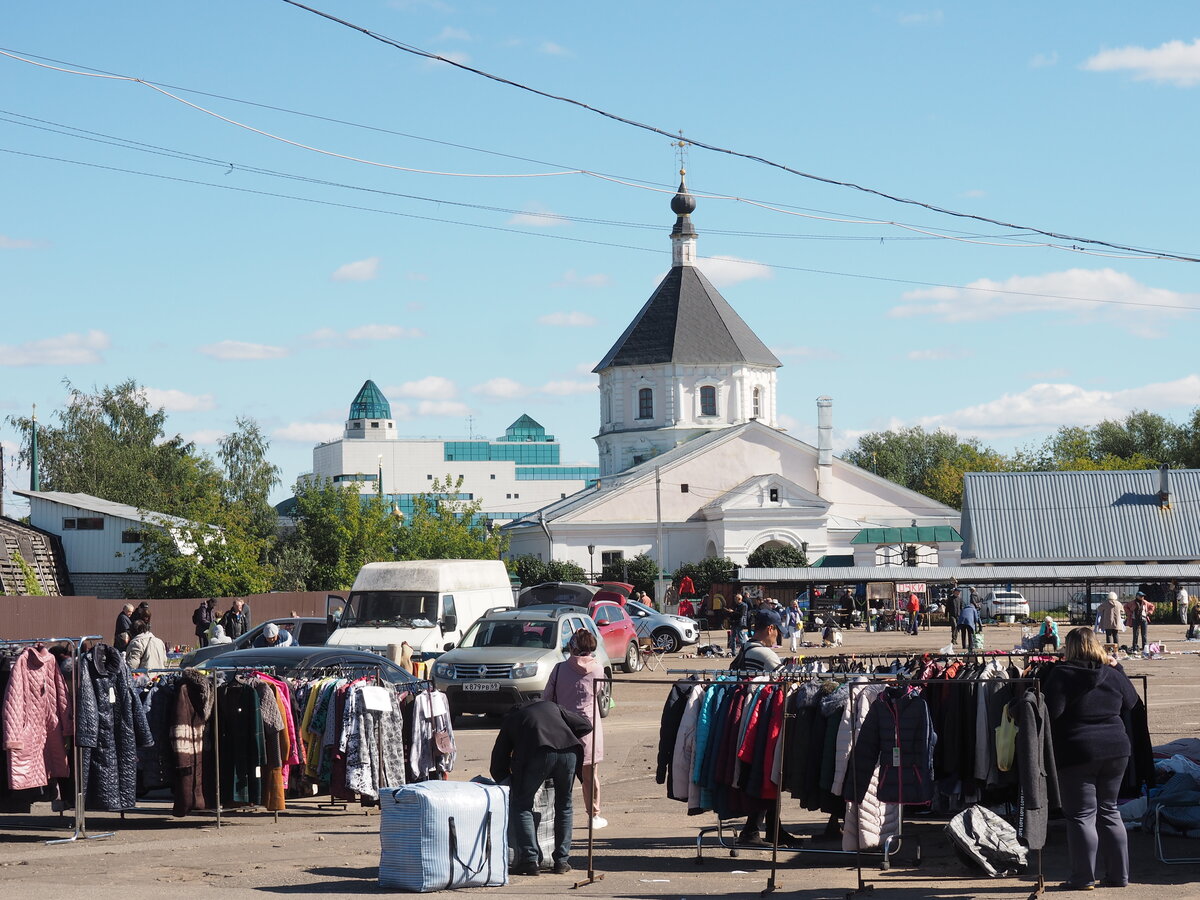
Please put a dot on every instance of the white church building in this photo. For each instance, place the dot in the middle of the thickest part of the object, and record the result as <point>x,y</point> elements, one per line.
<point>693,465</point>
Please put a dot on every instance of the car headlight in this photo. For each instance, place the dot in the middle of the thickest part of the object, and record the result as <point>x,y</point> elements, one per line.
<point>443,670</point>
<point>528,670</point>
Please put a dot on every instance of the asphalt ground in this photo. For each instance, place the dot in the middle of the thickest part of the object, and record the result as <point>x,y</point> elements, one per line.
<point>647,851</point>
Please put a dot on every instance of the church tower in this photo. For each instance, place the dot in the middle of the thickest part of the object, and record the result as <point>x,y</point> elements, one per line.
<point>370,416</point>
<point>687,364</point>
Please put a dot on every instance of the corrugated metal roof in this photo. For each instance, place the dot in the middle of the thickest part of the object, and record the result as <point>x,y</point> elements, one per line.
<point>922,534</point>
<point>1188,573</point>
<point>1066,517</point>
<point>107,507</point>
<point>686,320</point>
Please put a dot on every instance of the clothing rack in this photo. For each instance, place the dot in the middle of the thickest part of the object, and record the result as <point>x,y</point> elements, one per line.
<point>76,751</point>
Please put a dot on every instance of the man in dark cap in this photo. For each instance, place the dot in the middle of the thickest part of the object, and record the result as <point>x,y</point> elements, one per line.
<point>539,741</point>
<point>756,654</point>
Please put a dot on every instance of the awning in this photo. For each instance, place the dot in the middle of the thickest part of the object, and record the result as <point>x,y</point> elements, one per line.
<point>922,534</point>
<point>834,560</point>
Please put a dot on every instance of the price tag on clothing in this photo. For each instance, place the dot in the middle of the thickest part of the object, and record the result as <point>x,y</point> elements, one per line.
<point>896,757</point>
<point>112,695</point>
<point>376,698</point>
<point>258,771</point>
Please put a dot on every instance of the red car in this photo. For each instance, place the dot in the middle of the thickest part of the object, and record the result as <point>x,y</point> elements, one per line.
<point>621,640</point>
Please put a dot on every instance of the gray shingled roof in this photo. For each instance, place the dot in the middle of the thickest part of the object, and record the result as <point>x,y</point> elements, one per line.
<point>686,320</point>
<point>1080,517</point>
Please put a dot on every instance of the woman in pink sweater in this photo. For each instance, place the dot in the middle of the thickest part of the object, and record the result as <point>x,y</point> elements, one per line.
<point>572,685</point>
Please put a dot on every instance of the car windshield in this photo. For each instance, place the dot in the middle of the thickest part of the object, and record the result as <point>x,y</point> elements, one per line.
<point>510,633</point>
<point>403,609</point>
<point>633,607</point>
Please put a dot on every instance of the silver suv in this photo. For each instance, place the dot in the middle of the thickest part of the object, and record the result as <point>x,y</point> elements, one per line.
<point>505,658</point>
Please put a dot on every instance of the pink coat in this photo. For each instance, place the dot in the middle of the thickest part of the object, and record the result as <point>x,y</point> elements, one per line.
<point>572,685</point>
<point>37,721</point>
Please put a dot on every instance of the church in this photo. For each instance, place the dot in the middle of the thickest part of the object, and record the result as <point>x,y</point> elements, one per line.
<point>693,464</point>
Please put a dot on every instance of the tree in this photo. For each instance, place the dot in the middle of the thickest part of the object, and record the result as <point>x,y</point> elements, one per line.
<point>113,445</point>
<point>907,456</point>
<point>443,526</point>
<point>249,476</point>
<point>945,481</point>
<point>641,572</point>
<point>709,571</point>
<point>341,531</point>
<point>777,556</point>
<point>531,570</point>
<point>565,570</point>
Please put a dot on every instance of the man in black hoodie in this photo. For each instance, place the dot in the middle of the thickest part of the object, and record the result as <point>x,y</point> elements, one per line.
<point>1086,695</point>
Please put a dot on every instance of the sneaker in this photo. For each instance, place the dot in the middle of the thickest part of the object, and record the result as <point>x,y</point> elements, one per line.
<point>524,869</point>
<point>599,822</point>
<point>561,868</point>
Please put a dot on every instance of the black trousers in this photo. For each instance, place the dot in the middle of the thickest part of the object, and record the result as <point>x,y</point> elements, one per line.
<point>1094,827</point>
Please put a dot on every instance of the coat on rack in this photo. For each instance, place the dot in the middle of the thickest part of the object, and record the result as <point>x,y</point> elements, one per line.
<point>37,720</point>
<point>194,787</point>
<point>111,726</point>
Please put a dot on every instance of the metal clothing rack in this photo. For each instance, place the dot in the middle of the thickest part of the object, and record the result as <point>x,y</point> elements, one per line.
<point>76,751</point>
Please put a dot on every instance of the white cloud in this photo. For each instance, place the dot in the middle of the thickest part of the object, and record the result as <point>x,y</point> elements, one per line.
<point>1042,60</point>
<point>362,270</point>
<point>454,34</point>
<point>500,388</point>
<point>308,432</point>
<point>568,388</point>
<point>537,216</point>
<point>204,436</point>
<point>572,279</point>
<point>552,49</point>
<point>936,354</point>
<point>724,271</point>
<point>330,336</point>
<point>177,401</point>
<point>1173,62</point>
<point>1047,406</point>
<point>431,387</point>
<point>442,408</point>
<point>74,349</point>
<point>10,243</point>
<point>243,350</point>
<point>1053,292</point>
<point>567,320</point>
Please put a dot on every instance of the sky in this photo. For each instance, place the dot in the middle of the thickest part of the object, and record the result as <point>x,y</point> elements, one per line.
<point>250,209</point>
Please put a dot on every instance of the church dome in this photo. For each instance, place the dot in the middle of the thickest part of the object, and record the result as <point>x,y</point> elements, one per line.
<point>370,403</point>
<point>683,203</point>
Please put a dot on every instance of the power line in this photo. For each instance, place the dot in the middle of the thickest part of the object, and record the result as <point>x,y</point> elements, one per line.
<point>416,51</point>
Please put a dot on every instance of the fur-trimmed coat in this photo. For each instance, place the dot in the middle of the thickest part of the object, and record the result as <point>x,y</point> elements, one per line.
<point>194,787</point>
<point>111,725</point>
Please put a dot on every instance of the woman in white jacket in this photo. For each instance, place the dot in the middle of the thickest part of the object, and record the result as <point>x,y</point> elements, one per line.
<point>145,651</point>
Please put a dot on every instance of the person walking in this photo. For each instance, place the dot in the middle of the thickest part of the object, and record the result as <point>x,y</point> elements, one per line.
<point>235,621</point>
<point>1138,615</point>
<point>572,685</point>
<point>1109,617</point>
<point>738,619</point>
<point>968,623</point>
<point>795,621</point>
<point>1086,696</point>
<point>914,613</point>
<point>145,650</point>
<point>954,606</point>
<point>202,618</point>
<point>539,741</point>
<point>124,628</point>
<point>1193,621</point>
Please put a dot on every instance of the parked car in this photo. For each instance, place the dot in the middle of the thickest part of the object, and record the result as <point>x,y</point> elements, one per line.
<point>302,661</point>
<point>306,631</point>
<point>621,638</point>
<point>506,657</point>
<point>1005,606</point>
<point>1078,607</point>
<point>558,593</point>
<point>666,632</point>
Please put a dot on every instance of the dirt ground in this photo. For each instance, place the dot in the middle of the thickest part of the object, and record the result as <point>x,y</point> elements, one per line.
<point>648,850</point>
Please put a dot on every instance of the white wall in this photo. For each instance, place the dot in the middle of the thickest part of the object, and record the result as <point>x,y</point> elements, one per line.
<point>87,551</point>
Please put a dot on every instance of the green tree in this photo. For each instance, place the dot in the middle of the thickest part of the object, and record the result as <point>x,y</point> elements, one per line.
<point>907,456</point>
<point>709,571</point>
<point>945,481</point>
<point>291,562</point>
<point>777,556</point>
<point>641,572</point>
<point>528,568</point>
<point>565,570</point>
<point>249,475</point>
<point>443,526</point>
<point>341,531</point>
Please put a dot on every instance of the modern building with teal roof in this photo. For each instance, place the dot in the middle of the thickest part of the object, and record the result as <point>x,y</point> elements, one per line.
<point>518,472</point>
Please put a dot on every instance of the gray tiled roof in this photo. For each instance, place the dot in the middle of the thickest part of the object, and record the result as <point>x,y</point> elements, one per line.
<point>686,320</point>
<point>1080,517</point>
<point>1188,573</point>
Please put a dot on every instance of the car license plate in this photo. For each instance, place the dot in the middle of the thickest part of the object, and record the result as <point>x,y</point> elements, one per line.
<point>481,686</point>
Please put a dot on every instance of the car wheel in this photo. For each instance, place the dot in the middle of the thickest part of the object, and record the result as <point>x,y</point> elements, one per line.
<point>666,640</point>
<point>604,699</point>
<point>633,658</point>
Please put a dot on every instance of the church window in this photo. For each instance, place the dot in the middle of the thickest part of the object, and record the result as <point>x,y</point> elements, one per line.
<point>756,403</point>
<point>708,400</point>
<point>645,403</point>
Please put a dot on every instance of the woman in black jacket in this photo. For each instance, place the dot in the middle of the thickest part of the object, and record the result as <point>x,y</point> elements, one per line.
<point>1086,695</point>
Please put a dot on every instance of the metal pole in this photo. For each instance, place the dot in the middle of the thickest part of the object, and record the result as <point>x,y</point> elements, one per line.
<point>658,541</point>
<point>592,877</point>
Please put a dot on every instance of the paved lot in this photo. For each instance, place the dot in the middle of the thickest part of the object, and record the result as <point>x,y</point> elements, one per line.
<point>647,851</point>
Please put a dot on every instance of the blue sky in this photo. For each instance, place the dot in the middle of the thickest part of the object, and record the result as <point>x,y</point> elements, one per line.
<point>263,254</point>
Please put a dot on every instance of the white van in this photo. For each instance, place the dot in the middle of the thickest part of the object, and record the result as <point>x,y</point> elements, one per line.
<point>429,603</point>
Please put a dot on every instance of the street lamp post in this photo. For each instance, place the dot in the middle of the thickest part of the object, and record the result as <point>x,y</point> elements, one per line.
<point>592,561</point>
<point>379,484</point>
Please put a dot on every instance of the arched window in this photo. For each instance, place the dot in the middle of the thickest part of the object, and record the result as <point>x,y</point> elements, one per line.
<point>645,403</point>
<point>756,403</point>
<point>708,400</point>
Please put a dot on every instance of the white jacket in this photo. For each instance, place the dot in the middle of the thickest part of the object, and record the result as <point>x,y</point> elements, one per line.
<point>146,652</point>
<point>869,822</point>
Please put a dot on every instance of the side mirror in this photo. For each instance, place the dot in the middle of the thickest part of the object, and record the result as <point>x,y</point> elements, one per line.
<point>448,646</point>
<point>449,622</point>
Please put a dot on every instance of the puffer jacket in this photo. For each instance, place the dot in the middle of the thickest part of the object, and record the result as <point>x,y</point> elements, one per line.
<point>868,823</point>
<point>37,720</point>
<point>112,725</point>
<point>897,735</point>
<point>987,840</point>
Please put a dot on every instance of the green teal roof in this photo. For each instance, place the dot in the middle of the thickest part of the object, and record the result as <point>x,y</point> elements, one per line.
<point>526,429</point>
<point>370,403</point>
<point>846,559</point>
<point>924,534</point>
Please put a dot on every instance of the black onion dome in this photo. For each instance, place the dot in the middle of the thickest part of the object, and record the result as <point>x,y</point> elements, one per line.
<point>683,203</point>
